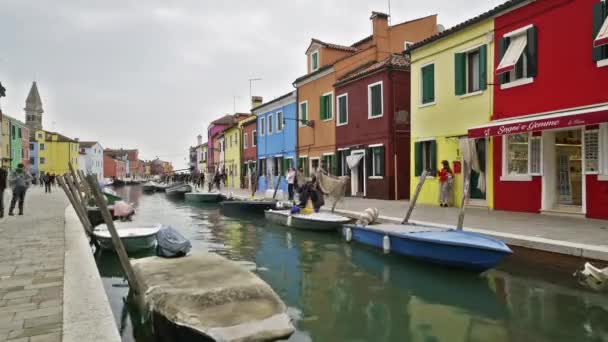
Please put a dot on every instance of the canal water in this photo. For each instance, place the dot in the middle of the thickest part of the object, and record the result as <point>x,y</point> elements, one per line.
<point>341,292</point>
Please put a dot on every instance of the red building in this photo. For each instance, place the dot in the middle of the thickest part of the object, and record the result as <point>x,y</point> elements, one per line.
<point>373,130</point>
<point>550,128</point>
<point>114,168</point>
<point>250,144</point>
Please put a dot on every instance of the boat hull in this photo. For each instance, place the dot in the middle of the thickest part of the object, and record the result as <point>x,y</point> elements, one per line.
<point>132,245</point>
<point>134,239</point>
<point>421,246</point>
<point>178,191</point>
<point>303,222</point>
<point>248,207</point>
<point>204,197</point>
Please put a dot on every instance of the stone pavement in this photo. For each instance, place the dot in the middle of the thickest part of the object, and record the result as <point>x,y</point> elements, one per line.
<point>31,269</point>
<point>567,235</point>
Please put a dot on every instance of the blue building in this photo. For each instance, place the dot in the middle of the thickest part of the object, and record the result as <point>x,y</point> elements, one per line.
<point>34,163</point>
<point>277,140</point>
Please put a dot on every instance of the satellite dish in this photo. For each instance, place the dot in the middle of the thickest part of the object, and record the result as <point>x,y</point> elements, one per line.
<point>440,28</point>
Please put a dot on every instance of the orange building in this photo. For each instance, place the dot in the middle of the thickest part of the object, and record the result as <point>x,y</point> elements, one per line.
<point>329,62</point>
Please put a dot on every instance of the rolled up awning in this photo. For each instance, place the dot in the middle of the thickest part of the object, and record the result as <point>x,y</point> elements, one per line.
<point>602,36</point>
<point>513,53</point>
<point>540,122</point>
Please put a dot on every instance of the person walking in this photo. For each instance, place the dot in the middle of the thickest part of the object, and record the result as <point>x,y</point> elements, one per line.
<point>46,179</point>
<point>446,179</point>
<point>291,182</point>
<point>3,175</point>
<point>19,181</point>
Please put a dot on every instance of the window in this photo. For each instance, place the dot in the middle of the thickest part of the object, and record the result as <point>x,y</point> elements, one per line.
<point>254,139</point>
<point>470,71</point>
<point>427,80</point>
<point>592,152</point>
<point>517,152</point>
<point>245,140</point>
<point>32,161</point>
<point>314,165</point>
<point>342,163</point>
<point>425,153</point>
<point>342,109</point>
<point>279,121</point>
<point>31,147</point>
<point>314,61</point>
<point>303,113</point>
<point>600,32</point>
<point>375,105</point>
<point>377,158</point>
<point>326,106</point>
<point>41,146</point>
<point>19,132</point>
<point>328,164</point>
<point>269,124</point>
<point>42,160</point>
<point>517,54</point>
<point>262,167</point>
<point>262,125</point>
<point>535,155</point>
<point>13,132</point>
<point>303,165</point>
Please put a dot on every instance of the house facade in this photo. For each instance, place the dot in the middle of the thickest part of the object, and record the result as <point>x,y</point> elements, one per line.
<point>450,92</point>
<point>550,123</point>
<point>249,143</point>
<point>56,152</point>
<point>5,145</point>
<point>232,156</point>
<point>91,158</point>
<point>276,147</point>
<point>215,139</point>
<point>203,163</point>
<point>16,143</point>
<point>114,167</point>
<point>34,160</point>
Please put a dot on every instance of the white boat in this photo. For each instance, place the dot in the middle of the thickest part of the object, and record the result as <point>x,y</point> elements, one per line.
<point>134,238</point>
<point>179,189</point>
<point>593,277</point>
<point>315,221</point>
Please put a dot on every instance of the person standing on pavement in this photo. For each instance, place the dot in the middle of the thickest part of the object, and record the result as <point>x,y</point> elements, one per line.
<point>291,181</point>
<point>19,181</point>
<point>46,179</point>
<point>446,179</point>
<point>3,175</point>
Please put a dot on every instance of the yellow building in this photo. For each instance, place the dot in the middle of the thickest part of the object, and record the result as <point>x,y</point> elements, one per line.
<point>450,92</point>
<point>55,152</point>
<point>233,156</point>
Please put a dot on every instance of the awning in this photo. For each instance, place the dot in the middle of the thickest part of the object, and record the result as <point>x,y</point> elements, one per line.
<point>353,160</point>
<point>513,53</point>
<point>602,36</point>
<point>540,122</point>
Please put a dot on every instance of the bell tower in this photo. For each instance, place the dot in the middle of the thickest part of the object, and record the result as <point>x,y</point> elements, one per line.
<point>33,110</point>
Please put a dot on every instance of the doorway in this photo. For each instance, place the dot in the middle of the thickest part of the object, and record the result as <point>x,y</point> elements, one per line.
<point>568,171</point>
<point>478,179</point>
<point>357,181</point>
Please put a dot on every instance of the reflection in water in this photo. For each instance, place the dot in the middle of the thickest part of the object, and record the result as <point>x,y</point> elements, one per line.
<point>340,292</point>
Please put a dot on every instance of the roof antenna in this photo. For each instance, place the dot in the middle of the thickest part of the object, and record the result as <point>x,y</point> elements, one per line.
<point>389,13</point>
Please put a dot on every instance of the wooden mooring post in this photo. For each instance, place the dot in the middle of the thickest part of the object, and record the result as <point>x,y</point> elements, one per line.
<point>100,200</point>
<point>276,188</point>
<point>80,210</point>
<point>410,210</point>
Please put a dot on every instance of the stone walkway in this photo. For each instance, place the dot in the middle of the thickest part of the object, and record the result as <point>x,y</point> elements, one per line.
<point>32,251</point>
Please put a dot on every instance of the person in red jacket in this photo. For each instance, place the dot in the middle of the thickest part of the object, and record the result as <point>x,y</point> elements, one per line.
<point>446,177</point>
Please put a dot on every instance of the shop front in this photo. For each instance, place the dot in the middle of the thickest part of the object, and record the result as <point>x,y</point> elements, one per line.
<point>555,163</point>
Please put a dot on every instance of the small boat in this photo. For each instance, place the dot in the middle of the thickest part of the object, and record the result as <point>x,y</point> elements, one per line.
<point>149,187</point>
<point>134,238</point>
<point>249,207</point>
<point>449,247</point>
<point>111,196</point>
<point>315,221</point>
<point>178,190</point>
<point>94,215</point>
<point>205,197</point>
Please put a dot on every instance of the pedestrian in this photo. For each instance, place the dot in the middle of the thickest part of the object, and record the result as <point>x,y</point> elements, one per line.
<point>46,179</point>
<point>19,181</point>
<point>3,175</point>
<point>291,182</point>
<point>41,179</point>
<point>446,180</point>
<point>218,179</point>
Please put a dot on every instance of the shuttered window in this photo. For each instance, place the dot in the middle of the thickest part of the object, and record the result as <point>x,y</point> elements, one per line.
<point>378,161</point>
<point>600,31</point>
<point>328,164</point>
<point>262,125</point>
<point>303,165</point>
<point>280,121</point>
<point>425,155</point>
<point>428,83</point>
<point>374,100</point>
<point>269,124</point>
<point>254,139</point>
<point>518,56</point>
<point>342,102</point>
<point>470,73</point>
<point>314,61</point>
<point>303,113</point>
<point>325,107</point>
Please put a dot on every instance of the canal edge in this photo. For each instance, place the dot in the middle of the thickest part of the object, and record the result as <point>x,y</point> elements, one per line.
<point>87,315</point>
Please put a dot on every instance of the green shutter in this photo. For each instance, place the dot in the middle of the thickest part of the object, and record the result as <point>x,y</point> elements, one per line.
<point>503,44</point>
<point>600,11</point>
<point>433,153</point>
<point>531,52</point>
<point>339,163</point>
<point>430,83</point>
<point>376,98</point>
<point>332,165</point>
<point>460,77</point>
<point>368,161</point>
<point>382,160</point>
<point>322,108</point>
<point>329,103</point>
<point>417,159</point>
<point>483,67</point>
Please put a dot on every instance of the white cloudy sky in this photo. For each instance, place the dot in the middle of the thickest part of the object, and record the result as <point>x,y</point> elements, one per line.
<point>151,74</point>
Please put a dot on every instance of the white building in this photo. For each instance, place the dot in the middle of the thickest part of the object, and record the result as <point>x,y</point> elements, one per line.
<point>90,159</point>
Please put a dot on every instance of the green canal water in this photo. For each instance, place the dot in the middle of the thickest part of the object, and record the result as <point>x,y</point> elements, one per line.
<point>341,292</point>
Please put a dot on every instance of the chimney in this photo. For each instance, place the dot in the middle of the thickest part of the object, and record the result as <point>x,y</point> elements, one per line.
<point>256,101</point>
<point>380,34</point>
<point>199,139</point>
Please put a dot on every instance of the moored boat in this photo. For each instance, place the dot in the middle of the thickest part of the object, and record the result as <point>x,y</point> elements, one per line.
<point>248,207</point>
<point>315,221</point>
<point>111,196</point>
<point>134,238</point>
<point>149,187</point>
<point>178,190</point>
<point>204,197</point>
<point>448,247</point>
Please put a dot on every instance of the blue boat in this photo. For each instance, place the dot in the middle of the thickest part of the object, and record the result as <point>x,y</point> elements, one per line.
<point>448,247</point>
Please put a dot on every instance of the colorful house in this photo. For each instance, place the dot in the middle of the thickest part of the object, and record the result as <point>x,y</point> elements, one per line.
<point>5,146</point>
<point>450,93</point>
<point>17,143</point>
<point>215,145</point>
<point>233,156</point>
<point>114,167</point>
<point>91,158</point>
<point>277,127</point>
<point>55,152</point>
<point>328,63</point>
<point>550,122</point>
<point>33,164</point>
<point>203,163</point>
<point>249,142</point>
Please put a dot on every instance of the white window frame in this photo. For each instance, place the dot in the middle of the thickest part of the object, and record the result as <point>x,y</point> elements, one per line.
<point>245,141</point>
<point>262,126</point>
<point>603,153</point>
<point>333,107</point>
<point>280,121</point>
<point>466,70</point>
<point>269,129</point>
<point>253,135</point>
<point>421,104</point>
<point>312,68</point>
<point>505,176</point>
<point>312,171</point>
<point>369,100</point>
<point>338,123</point>
<point>372,147</point>
<point>300,123</point>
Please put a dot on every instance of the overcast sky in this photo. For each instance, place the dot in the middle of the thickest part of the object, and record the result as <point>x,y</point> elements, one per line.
<point>152,74</point>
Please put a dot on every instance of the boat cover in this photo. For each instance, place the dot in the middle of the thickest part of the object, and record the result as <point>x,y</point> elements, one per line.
<point>213,296</point>
<point>171,244</point>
